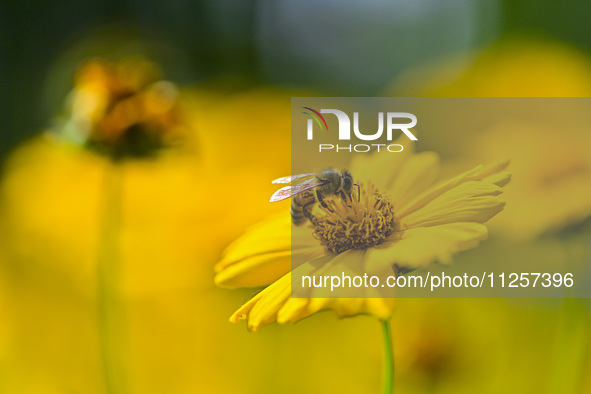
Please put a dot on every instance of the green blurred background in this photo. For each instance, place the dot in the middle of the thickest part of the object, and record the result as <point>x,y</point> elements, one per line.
<point>291,43</point>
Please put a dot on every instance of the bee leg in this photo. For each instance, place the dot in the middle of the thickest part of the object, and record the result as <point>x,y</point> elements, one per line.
<point>307,212</point>
<point>321,201</point>
<point>344,197</point>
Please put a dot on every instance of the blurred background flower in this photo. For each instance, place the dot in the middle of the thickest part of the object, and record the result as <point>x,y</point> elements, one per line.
<point>123,109</point>
<point>236,64</point>
<point>514,66</point>
<point>553,173</point>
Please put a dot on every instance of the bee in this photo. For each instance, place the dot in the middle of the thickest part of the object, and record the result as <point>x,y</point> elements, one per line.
<point>307,189</point>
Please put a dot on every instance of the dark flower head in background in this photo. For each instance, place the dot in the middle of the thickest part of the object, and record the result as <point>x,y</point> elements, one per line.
<point>122,109</point>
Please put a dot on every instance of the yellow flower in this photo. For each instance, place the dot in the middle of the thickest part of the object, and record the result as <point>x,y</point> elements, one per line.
<point>550,147</point>
<point>554,188</point>
<point>123,108</point>
<point>430,223</point>
<point>510,68</point>
<point>51,198</point>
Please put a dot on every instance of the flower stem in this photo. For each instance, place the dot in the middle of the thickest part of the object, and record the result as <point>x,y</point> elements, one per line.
<point>388,358</point>
<point>110,319</point>
<point>570,353</point>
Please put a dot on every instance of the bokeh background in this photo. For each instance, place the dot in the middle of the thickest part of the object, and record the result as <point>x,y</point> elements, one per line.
<point>237,63</point>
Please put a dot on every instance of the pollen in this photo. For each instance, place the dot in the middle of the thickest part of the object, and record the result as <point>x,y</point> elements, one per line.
<point>356,222</point>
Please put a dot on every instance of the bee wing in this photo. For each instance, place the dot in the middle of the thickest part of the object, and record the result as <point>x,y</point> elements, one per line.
<point>293,178</point>
<point>290,191</point>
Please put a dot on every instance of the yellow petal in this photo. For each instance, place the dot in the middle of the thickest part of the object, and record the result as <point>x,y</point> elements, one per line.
<point>500,179</point>
<point>476,174</point>
<point>348,263</point>
<point>259,257</point>
<point>343,301</point>
<point>270,236</point>
<point>419,247</point>
<point>418,173</point>
<point>472,201</point>
<point>262,269</point>
<point>493,168</point>
<point>296,309</point>
<point>258,270</point>
<point>262,308</point>
<point>382,308</point>
<point>381,168</point>
<point>274,303</point>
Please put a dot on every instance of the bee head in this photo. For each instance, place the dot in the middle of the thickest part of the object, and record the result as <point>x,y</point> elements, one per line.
<point>347,181</point>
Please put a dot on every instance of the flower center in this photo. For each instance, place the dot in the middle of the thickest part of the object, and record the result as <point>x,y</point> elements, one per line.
<point>354,223</point>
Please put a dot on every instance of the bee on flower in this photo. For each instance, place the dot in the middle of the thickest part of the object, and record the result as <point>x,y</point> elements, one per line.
<point>402,220</point>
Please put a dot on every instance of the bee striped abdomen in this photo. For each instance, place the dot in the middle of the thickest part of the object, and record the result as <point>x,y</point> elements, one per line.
<point>301,205</point>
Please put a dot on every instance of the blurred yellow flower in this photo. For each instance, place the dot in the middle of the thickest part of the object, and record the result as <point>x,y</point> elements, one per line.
<point>406,222</point>
<point>548,141</point>
<point>178,212</point>
<point>554,172</point>
<point>510,68</point>
<point>123,108</point>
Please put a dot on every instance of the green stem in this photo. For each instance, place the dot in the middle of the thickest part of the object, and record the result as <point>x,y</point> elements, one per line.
<point>110,312</point>
<point>570,349</point>
<point>388,358</point>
